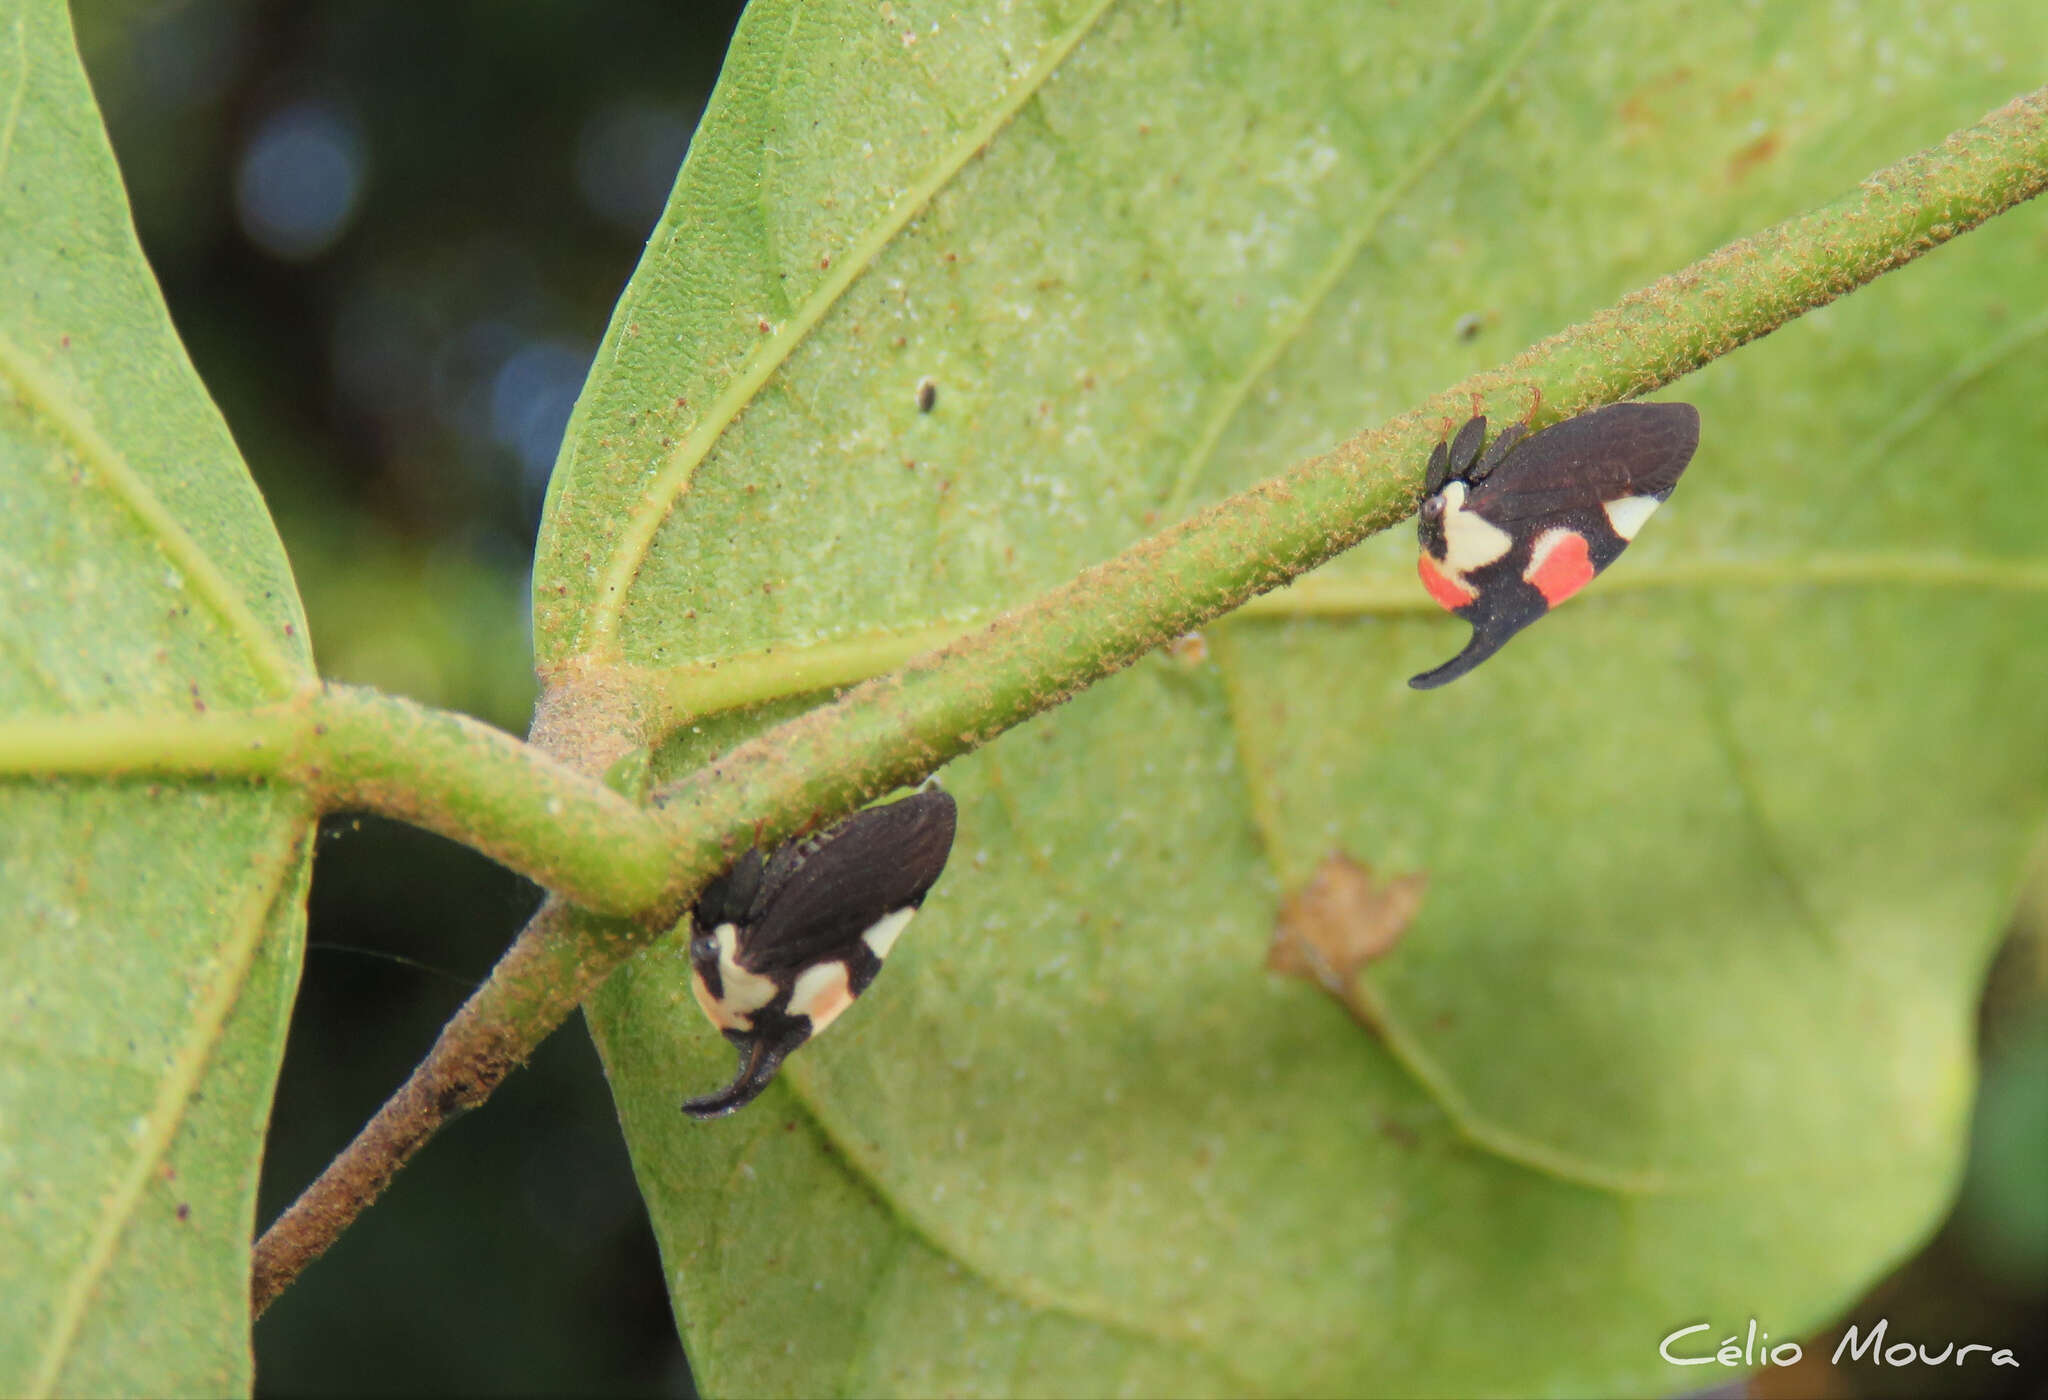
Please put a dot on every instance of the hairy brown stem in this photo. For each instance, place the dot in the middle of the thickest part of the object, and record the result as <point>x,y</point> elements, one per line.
<point>469,1060</point>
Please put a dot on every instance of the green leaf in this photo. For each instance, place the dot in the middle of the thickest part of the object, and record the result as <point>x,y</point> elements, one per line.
<point>150,950</point>
<point>1715,857</point>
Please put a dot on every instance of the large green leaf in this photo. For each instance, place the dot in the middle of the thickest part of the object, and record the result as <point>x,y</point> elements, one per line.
<point>150,946</point>
<point>1715,857</point>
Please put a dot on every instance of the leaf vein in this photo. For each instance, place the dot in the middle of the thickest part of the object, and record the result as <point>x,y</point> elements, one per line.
<point>1948,387</point>
<point>801,666</point>
<point>174,1097</point>
<point>1231,399</point>
<point>864,1171</point>
<point>39,392</point>
<point>679,469</point>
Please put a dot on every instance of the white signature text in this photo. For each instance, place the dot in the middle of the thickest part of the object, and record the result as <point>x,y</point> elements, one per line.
<point>1753,1349</point>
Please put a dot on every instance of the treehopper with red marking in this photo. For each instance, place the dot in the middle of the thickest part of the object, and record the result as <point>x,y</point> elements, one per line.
<point>1510,532</point>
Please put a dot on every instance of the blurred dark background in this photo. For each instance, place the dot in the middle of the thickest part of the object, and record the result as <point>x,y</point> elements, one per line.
<point>391,235</point>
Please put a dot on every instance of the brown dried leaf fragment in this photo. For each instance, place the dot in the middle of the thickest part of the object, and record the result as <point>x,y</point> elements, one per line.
<point>1341,920</point>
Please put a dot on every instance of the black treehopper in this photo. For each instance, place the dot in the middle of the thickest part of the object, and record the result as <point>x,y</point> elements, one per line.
<point>1509,534</point>
<point>781,944</point>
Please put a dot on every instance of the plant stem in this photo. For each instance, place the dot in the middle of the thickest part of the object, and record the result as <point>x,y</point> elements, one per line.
<point>354,749</point>
<point>484,1042</point>
<point>897,728</point>
<point>486,789</point>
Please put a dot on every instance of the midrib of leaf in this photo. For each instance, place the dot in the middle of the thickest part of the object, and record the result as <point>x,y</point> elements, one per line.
<point>174,1095</point>
<point>41,394</point>
<point>751,678</point>
<point>1285,335</point>
<point>1391,597</point>
<point>110,741</point>
<point>653,506</point>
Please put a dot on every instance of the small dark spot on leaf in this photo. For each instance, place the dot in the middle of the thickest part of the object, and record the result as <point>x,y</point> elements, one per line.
<point>927,394</point>
<point>1751,156</point>
<point>1737,98</point>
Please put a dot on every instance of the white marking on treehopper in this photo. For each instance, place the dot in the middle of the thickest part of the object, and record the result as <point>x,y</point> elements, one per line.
<point>745,992</point>
<point>881,936</point>
<point>1469,541</point>
<point>821,993</point>
<point>1628,513</point>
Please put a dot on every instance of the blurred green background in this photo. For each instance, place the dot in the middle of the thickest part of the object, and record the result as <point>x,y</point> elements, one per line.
<point>391,235</point>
